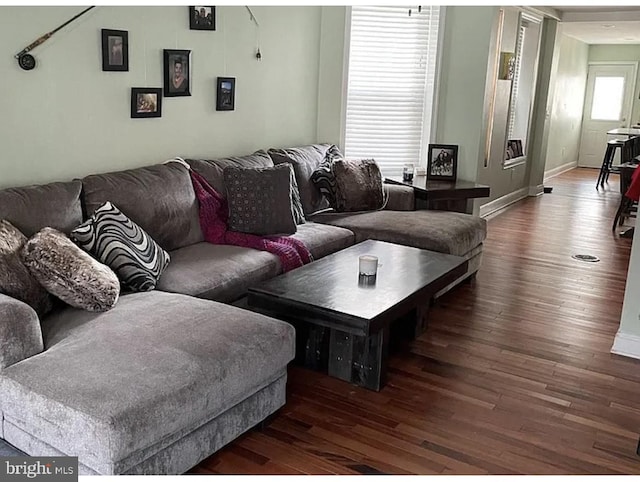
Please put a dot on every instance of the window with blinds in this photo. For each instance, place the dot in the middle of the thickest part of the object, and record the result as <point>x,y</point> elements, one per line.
<point>516,78</point>
<point>391,78</point>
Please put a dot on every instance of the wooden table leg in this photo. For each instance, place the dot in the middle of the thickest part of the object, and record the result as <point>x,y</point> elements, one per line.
<point>361,360</point>
<point>422,317</point>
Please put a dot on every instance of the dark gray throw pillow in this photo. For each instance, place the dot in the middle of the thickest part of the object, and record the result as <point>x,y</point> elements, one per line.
<point>15,279</point>
<point>260,200</point>
<point>124,246</point>
<point>69,273</point>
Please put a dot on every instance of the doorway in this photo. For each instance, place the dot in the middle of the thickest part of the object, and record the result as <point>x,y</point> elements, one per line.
<point>608,103</point>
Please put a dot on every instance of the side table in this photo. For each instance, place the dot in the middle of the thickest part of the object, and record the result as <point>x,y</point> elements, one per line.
<point>443,195</point>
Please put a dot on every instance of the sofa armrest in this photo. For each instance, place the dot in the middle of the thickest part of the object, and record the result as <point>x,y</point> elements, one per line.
<point>400,198</point>
<point>20,332</point>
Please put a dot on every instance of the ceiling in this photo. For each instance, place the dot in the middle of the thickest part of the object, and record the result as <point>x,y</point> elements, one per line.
<point>601,24</point>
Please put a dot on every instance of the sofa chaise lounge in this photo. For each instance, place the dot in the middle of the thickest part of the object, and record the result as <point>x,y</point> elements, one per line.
<point>167,377</point>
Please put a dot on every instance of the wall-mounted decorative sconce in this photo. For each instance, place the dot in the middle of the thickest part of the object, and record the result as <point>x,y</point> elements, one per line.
<point>255,20</point>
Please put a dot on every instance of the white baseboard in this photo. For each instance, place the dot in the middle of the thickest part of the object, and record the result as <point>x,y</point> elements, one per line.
<point>502,202</point>
<point>626,345</point>
<point>536,190</point>
<point>556,171</point>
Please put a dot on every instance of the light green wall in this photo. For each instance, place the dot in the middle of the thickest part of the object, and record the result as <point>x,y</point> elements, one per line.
<point>568,102</point>
<point>67,118</point>
<point>461,115</point>
<point>332,71</point>
<point>617,53</point>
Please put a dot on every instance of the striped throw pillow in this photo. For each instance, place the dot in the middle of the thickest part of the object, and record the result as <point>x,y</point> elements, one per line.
<point>125,247</point>
<point>323,177</point>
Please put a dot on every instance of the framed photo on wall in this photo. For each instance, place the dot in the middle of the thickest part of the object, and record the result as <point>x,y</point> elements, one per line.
<point>226,93</point>
<point>202,18</point>
<point>146,102</point>
<point>177,73</point>
<point>443,162</point>
<point>115,50</point>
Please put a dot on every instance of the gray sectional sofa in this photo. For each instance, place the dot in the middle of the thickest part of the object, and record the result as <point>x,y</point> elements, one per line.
<point>167,377</point>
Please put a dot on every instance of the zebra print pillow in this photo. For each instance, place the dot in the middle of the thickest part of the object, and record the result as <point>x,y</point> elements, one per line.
<point>121,244</point>
<point>323,177</point>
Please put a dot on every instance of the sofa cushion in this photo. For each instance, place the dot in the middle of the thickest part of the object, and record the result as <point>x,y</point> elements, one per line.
<point>399,198</point>
<point>127,249</point>
<point>260,200</point>
<point>212,170</point>
<point>69,273</point>
<point>56,205</point>
<point>15,279</point>
<point>160,199</point>
<point>217,272</point>
<point>20,333</point>
<point>441,231</point>
<point>305,161</point>
<point>112,384</point>
<point>324,239</point>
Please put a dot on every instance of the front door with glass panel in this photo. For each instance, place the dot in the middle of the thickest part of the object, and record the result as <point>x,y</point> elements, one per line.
<point>608,102</point>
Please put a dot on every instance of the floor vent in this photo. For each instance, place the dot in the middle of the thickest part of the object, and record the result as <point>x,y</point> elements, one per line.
<point>589,258</point>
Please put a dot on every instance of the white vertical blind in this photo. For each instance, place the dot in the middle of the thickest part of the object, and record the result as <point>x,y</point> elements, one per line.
<point>392,65</point>
<point>516,79</point>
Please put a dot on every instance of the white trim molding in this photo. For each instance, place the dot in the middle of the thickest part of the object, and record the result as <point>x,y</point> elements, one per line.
<point>626,345</point>
<point>536,190</point>
<point>504,201</point>
<point>556,171</point>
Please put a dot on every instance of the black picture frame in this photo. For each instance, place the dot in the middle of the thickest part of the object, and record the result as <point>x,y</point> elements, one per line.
<point>202,18</point>
<point>146,102</point>
<point>171,70</point>
<point>226,93</point>
<point>115,50</point>
<point>442,162</point>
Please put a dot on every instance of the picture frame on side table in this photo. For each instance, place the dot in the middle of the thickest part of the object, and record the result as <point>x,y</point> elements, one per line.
<point>202,18</point>
<point>226,93</point>
<point>115,50</point>
<point>177,73</point>
<point>442,162</point>
<point>146,102</point>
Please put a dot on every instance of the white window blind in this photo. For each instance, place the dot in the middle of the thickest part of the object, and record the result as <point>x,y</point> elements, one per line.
<point>391,79</point>
<point>516,79</point>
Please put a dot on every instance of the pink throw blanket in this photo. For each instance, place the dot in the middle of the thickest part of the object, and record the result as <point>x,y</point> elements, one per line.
<point>214,214</point>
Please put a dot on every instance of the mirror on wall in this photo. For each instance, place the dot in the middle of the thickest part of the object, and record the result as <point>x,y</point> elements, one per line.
<point>521,68</point>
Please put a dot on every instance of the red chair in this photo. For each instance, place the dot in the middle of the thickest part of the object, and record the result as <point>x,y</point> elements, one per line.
<point>631,195</point>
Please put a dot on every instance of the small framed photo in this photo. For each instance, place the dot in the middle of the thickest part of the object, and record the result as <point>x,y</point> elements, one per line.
<point>507,65</point>
<point>202,18</point>
<point>146,102</point>
<point>443,162</point>
<point>115,50</point>
<point>226,94</point>
<point>177,73</point>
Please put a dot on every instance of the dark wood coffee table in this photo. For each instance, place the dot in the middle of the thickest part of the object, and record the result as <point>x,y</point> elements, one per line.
<point>326,299</point>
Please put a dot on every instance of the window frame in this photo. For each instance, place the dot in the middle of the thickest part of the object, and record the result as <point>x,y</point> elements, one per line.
<point>427,137</point>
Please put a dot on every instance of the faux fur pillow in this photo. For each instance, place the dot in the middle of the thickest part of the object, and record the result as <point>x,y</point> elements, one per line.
<point>15,279</point>
<point>69,273</point>
<point>358,185</point>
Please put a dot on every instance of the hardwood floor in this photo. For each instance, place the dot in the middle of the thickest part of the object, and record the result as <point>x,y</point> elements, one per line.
<point>513,375</point>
